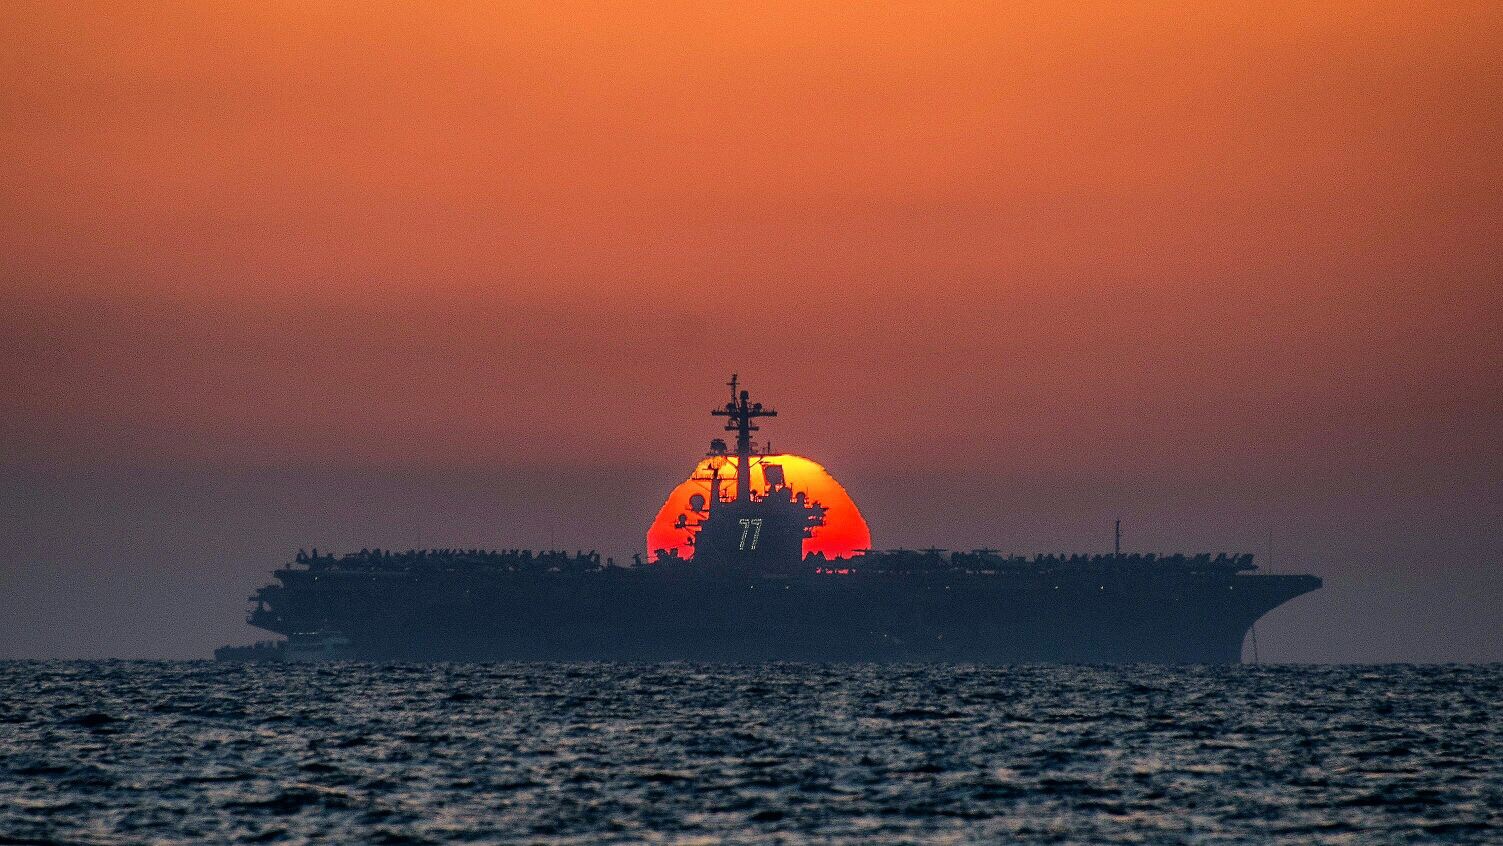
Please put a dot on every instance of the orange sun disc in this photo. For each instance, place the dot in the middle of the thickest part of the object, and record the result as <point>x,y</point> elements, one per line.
<point>844,533</point>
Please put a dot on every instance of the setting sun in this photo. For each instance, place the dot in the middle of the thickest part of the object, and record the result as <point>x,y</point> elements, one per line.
<point>844,533</point>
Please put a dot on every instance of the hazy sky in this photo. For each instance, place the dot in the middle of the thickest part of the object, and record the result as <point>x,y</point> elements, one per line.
<point>355,274</point>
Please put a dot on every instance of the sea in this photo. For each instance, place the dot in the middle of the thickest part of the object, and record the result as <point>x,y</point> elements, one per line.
<point>198,752</point>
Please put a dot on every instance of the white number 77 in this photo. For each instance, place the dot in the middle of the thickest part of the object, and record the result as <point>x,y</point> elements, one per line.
<point>755,525</point>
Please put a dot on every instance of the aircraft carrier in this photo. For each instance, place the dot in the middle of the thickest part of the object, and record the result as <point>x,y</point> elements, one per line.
<point>749,593</point>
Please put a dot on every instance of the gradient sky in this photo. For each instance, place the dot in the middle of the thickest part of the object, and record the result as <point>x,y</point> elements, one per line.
<point>378,274</point>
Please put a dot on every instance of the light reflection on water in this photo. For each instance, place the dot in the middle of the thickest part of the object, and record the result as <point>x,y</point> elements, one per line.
<point>112,752</point>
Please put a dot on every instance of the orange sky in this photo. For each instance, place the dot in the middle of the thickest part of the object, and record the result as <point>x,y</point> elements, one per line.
<point>1212,267</point>
<point>297,229</point>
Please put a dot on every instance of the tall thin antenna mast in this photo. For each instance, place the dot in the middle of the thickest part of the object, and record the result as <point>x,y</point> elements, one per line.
<point>740,412</point>
<point>1117,539</point>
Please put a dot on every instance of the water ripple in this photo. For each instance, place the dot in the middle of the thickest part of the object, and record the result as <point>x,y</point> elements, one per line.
<point>114,752</point>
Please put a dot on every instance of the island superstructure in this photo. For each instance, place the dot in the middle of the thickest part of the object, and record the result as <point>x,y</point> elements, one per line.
<point>749,592</point>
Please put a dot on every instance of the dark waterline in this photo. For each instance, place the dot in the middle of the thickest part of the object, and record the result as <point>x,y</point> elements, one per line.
<point>122,752</point>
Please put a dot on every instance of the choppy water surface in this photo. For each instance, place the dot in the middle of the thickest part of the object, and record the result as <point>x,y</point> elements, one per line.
<point>128,752</point>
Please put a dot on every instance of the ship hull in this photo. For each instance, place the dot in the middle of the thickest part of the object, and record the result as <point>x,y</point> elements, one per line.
<point>629,615</point>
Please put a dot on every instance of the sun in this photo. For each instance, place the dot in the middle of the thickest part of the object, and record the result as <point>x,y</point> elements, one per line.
<point>844,533</point>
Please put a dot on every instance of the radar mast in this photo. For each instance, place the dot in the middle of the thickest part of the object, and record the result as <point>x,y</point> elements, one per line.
<point>740,413</point>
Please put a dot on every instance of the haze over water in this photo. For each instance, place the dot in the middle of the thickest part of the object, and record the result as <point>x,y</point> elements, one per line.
<point>107,753</point>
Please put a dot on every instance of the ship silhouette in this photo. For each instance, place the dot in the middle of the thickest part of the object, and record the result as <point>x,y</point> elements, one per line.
<point>749,593</point>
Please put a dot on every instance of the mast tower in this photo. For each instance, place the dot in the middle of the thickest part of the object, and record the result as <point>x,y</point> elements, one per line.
<point>739,414</point>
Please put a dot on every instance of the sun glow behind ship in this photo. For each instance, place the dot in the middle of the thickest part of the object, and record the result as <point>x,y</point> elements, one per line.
<point>844,533</point>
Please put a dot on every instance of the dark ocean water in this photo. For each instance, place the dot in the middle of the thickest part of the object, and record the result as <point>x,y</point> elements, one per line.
<point>114,752</point>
